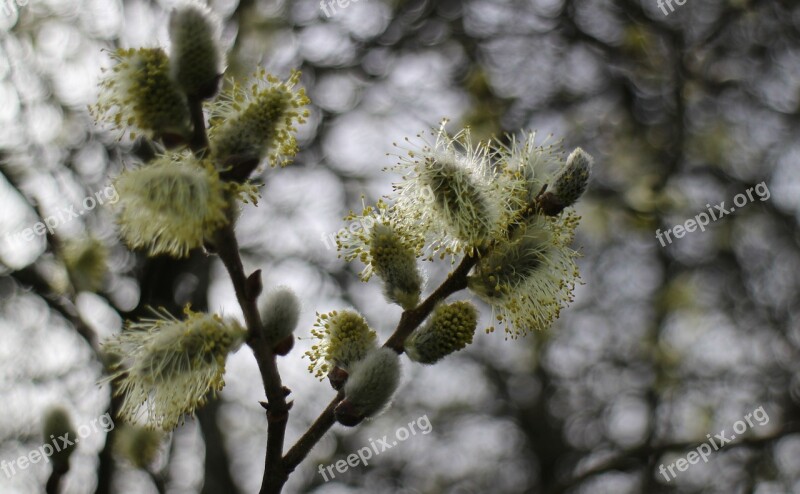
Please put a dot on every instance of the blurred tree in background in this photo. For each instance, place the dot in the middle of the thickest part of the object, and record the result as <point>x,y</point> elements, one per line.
<point>662,346</point>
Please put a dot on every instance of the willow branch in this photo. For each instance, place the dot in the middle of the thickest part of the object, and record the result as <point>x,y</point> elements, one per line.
<point>247,289</point>
<point>409,321</point>
<point>277,408</point>
<point>312,436</point>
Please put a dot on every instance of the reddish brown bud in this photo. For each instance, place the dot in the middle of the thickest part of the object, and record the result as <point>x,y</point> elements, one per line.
<point>550,204</point>
<point>284,346</point>
<point>337,377</point>
<point>347,414</point>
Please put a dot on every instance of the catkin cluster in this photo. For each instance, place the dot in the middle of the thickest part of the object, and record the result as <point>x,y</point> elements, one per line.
<point>165,367</point>
<point>504,207</point>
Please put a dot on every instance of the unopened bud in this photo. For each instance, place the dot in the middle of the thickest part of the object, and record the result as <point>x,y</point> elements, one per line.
<point>280,313</point>
<point>449,329</point>
<point>396,263</point>
<point>195,58</point>
<point>569,185</point>
<point>337,376</point>
<point>370,388</point>
<point>284,346</point>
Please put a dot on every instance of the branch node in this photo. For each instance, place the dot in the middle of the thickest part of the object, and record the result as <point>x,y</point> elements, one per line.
<point>253,286</point>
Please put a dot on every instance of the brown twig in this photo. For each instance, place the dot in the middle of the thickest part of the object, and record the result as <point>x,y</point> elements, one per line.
<point>278,409</point>
<point>315,432</point>
<point>227,248</point>
<point>278,467</point>
<point>409,321</point>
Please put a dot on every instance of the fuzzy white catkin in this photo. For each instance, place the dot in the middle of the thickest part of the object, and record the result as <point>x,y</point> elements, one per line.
<point>570,184</point>
<point>396,263</point>
<point>195,58</point>
<point>373,381</point>
<point>280,313</point>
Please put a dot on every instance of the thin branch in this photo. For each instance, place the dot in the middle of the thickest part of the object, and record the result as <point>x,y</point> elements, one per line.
<point>457,280</point>
<point>409,321</point>
<point>312,436</point>
<point>227,249</point>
